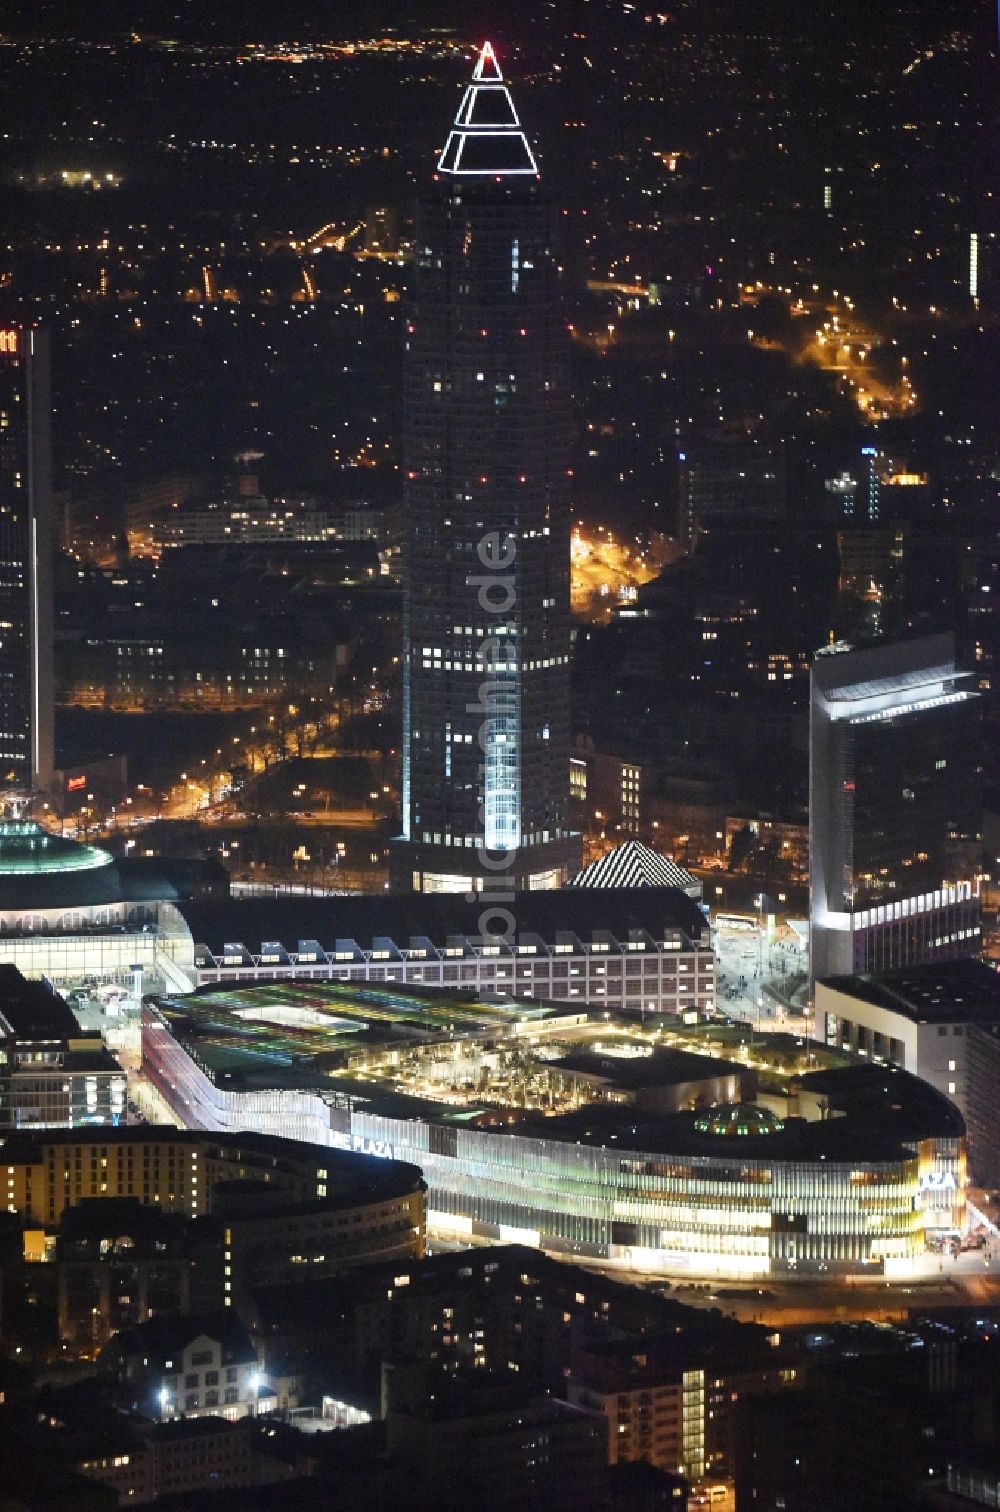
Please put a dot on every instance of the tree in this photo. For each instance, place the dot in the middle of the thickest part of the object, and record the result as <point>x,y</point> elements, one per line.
<point>740,849</point>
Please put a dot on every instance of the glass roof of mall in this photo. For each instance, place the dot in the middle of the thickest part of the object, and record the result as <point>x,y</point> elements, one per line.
<point>289,1023</point>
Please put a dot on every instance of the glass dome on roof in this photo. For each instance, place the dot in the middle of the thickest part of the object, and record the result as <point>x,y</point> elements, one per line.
<point>25,847</point>
<point>748,1119</point>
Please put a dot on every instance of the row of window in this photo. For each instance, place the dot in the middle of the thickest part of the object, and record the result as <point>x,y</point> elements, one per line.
<point>230,1397</point>
<point>682,988</point>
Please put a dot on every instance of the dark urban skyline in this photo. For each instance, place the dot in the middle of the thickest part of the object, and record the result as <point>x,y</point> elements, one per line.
<point>499,998</point>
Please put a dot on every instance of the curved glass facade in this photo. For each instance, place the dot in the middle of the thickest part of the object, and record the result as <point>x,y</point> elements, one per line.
<point>720,1215</point>
<point>726,1206</point>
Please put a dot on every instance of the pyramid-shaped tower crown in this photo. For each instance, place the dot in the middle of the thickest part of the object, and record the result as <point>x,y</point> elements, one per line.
<point>487,139</point>
<point>487,69</point>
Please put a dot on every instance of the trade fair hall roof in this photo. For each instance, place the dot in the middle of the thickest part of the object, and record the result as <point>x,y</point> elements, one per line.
<point>42,870</point>
<point>365,917</point>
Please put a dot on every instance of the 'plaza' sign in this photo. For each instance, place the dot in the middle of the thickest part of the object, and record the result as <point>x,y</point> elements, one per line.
<point>938,1181</point>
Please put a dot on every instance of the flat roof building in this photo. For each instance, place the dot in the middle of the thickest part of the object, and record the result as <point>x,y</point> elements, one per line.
<point>668,1081</point>
<point>493,1446</point>
<point>639,949</point>
<point>52,1074</point>
<point>281,1194</point>
<point>939,1021</point>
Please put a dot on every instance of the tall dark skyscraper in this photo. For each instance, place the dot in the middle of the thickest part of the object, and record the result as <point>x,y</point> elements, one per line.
<point>487,424</point>
<point>26,683</point>
<point>894,806</point>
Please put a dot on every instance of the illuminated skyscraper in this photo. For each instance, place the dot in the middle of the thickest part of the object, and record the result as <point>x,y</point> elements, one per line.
<point>26,686</point>
<point>486,557</point>
<point>894,806</point>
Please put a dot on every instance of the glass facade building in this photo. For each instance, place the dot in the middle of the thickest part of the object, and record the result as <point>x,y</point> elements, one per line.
<point>486,540</point>
<point>894,806</point>
<point>730,1213</point>
<point>662,1197</point>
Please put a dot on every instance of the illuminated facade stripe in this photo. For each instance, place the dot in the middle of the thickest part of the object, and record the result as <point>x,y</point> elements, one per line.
<point>487,140</point>
<point>26,672</point>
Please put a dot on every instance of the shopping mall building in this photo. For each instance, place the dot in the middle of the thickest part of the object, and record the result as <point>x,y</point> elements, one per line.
<point>849,1183</point>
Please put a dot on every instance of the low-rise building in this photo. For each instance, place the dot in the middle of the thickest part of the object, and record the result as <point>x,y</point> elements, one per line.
<point>502,1309</point>
<point>199,1365</point>
<point>252,519</point>
<point>471,1443</point>
<point>181,1456</point>
<point>119,1262</point>
<point>642,948</point>
<point>271,1207</point>
<point>939,1022</point>
<point>52,1075</point>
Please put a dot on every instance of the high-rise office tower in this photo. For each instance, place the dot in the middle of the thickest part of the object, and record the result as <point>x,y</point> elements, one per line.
<point>486,554</point>
<point>894,806</point>
<point>26,685</point>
